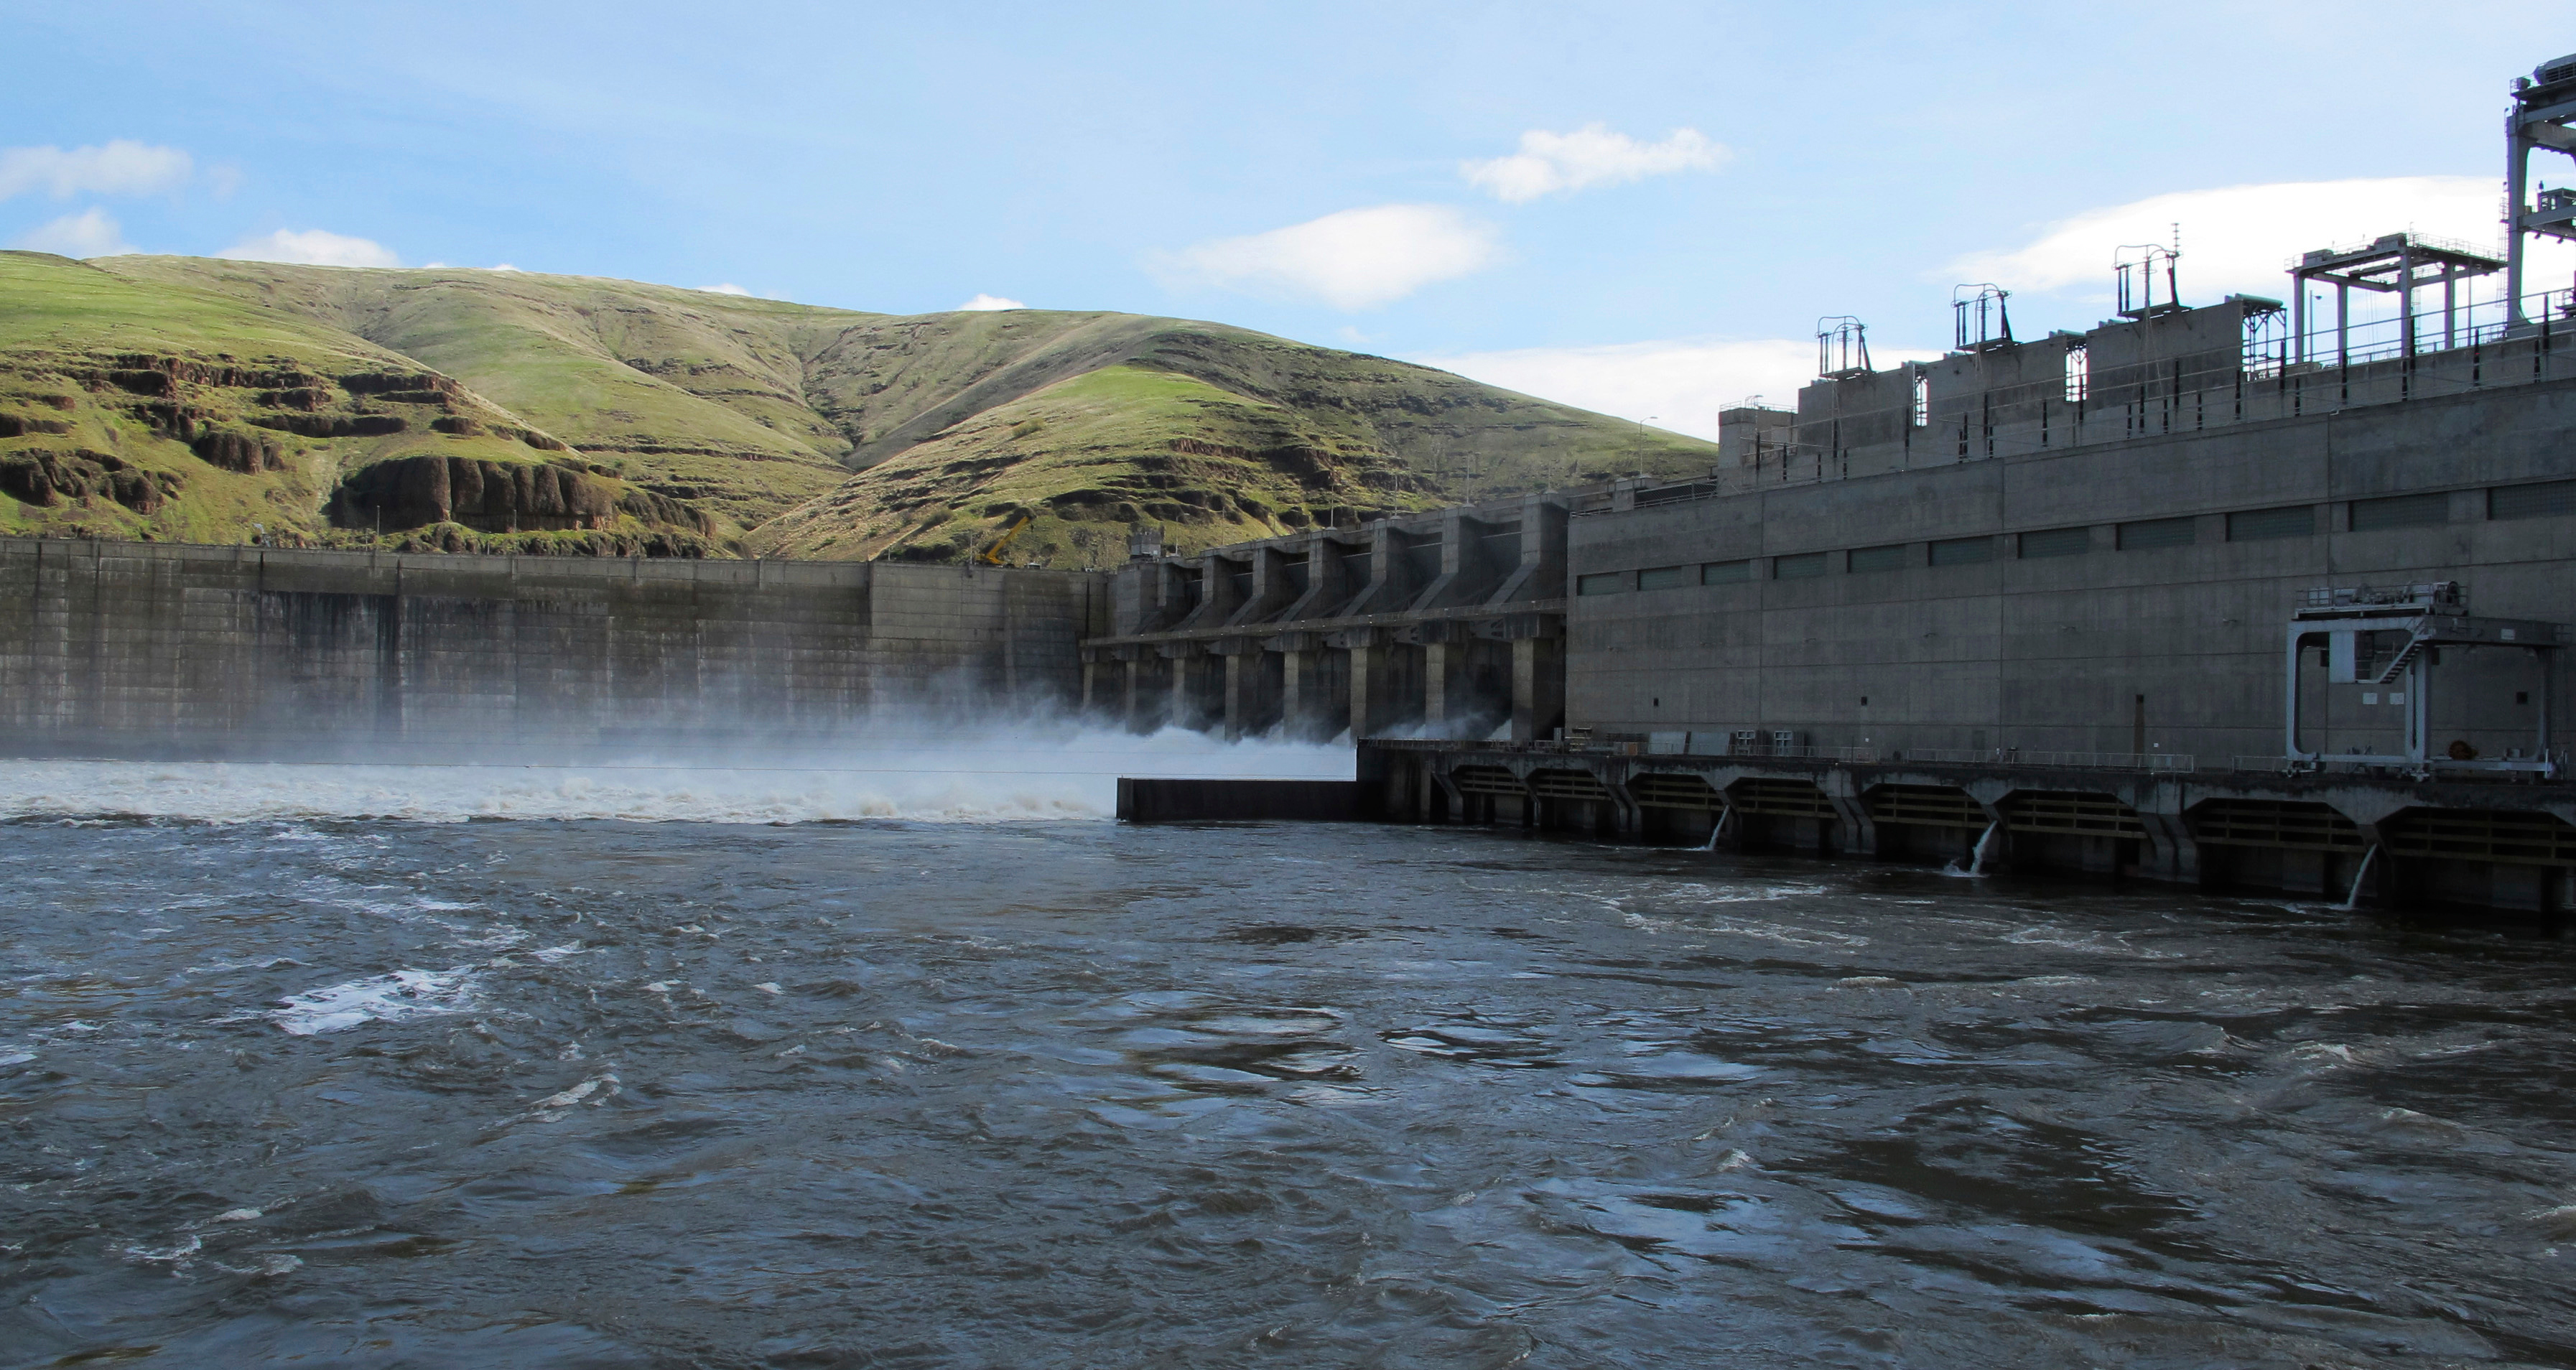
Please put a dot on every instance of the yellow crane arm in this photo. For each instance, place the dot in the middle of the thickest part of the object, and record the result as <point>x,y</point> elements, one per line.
<point>992,556</point>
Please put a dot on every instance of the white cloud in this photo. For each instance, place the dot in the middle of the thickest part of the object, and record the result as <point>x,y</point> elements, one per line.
<point>728,288</point>
<point>2240,239</point>
<point>315,247</point>
<point>1679,384</point>
<point>1589,156</point>
<point>1354,259</point>
<point>88,234</point>
<point>123,167</point>
<point>983,302</point>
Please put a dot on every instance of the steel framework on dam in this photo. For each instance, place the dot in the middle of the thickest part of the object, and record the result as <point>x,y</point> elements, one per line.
<point>2394,635</point>
<point>2543,120</point>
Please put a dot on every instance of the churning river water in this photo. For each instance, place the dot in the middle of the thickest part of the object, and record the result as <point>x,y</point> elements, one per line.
<point>802,1075</point>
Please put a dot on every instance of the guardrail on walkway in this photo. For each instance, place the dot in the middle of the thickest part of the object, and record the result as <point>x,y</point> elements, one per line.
<point>2157,762</point>
<point>2086,761</point>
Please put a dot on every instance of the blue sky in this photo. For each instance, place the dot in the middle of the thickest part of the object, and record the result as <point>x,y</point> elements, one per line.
<point>1644,207</point>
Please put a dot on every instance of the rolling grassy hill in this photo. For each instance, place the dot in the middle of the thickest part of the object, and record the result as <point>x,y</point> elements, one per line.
<point>187,398</point>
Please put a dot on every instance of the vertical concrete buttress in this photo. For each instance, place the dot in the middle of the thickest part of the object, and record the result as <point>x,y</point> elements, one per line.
<point>1538,686</point>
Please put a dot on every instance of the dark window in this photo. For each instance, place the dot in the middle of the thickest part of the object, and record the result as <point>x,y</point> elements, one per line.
<point>1725,572</point>
<point>2257,525</point>
<point>1799,567</point>
<point>2057,542</point>
<point>1664,577</point>
<point>1876,558</point>
<point>1606,583</point>
<point>1963,551</point>
<point>2137,537</point>
<point>2400,511</point>
<point>2556,498</point>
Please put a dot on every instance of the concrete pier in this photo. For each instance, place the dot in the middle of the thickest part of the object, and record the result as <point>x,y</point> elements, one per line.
<point>1443,623</point>
<point>2495,843</point>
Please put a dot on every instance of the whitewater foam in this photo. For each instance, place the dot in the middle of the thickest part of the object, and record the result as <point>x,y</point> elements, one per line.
<point>378,998</point>
<point>987,777</point>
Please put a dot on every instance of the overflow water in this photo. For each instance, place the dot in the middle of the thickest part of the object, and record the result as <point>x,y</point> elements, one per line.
<point>888,1067</point>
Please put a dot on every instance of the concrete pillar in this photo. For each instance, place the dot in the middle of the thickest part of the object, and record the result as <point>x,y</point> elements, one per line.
<point>1297,690</point>
<point>1626,819</point>
<point>1238,709</point>
<point>1444,680</point>
<point>1252,680</point>
<point>1270,588</point>
<point>1096,678</point>
<point>1538,686</point>
<point>2172,853</point>
<point>1860,831</point>
<point>1323,698</point>
<point>1148,693</point>
<point>1189,692</point>
<point>1371,674</point>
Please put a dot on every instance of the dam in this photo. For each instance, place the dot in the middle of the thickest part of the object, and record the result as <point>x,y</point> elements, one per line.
<point>2218,617</point>
<point>2245,593</point>
<point>165,651</point>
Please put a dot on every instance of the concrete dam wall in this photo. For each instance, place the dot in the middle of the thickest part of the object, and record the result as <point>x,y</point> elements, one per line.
<point>2208,616</point>
<point>168,650</point>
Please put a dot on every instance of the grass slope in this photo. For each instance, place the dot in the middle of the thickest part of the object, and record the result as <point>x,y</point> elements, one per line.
<point>695,395</point>
<point>795,430</point>
<point>1089,456</point>
<point>239,419</point>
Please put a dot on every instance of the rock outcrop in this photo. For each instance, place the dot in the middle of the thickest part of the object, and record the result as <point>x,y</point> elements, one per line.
<point>50,478</point>
<point>236,451</point>
<point>497,497</point>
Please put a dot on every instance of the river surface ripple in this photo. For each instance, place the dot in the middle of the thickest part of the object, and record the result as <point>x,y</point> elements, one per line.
<point>540,1093</point>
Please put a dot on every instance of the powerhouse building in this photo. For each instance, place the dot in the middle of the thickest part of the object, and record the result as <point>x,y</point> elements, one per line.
<point>2260,591</point>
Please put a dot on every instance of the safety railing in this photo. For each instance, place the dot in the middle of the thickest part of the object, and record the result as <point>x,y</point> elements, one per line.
<point>2083,761</point>
<point>2278,377</point>
<point>2428,594</point>
<point>2515,765</point>
<point>2383,336</point>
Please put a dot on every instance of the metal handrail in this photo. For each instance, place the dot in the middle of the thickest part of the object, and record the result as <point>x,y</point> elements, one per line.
<point>2087,761</point>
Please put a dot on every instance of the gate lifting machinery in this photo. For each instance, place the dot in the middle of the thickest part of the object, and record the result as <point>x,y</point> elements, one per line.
<point>2543,120</point>
<point>2416,620</point>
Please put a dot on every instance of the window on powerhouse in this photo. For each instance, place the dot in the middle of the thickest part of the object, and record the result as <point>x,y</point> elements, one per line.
<point>2400,511</point>
<point>2057,542</point>
<point>1668,577</point>
<point>2257,525</point>
<point>2545,500</point>
<point>2151,533</point>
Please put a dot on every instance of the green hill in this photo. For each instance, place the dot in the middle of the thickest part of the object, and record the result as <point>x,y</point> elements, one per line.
<point>178,397</point>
